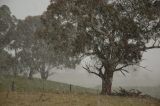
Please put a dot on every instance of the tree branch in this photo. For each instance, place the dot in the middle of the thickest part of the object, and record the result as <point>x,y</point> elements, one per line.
<point>123,73</point>
<point>153,46</point>
<point>121,68</point>
<point>91,72</point>
<point>143,67</point>
<point>125,70</point>
<point>100,70</point>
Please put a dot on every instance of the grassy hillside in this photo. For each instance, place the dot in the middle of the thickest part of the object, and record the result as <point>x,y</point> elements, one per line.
<point>30,93</point>
<point>38,85</point>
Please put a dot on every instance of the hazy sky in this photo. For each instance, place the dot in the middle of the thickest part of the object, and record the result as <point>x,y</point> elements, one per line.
<point>23,8</point>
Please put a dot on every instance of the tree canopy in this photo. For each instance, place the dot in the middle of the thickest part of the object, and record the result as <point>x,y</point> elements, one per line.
<point>7,27</point>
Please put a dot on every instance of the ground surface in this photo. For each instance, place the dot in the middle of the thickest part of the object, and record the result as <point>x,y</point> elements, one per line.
<point>59,99</point>
<point>37,92</point>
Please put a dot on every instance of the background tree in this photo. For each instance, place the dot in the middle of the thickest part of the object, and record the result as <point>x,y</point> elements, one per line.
<point>23,43</point>
<point>114,35</point>
<point>20,50</point>
<point>44,58</point>
<point>33,55</point>
<point>7,28</point>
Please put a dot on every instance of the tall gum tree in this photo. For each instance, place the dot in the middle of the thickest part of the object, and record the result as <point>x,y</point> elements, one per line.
<point>113,34</point>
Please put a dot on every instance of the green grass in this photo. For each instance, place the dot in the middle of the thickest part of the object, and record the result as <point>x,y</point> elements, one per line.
<point>38,85</point>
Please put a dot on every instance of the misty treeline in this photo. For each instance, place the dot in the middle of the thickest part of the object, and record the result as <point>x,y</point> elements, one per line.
<point>20,52</point>
<point>104,36</point>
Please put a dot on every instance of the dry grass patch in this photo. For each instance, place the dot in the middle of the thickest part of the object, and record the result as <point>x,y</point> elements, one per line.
<point>53,99</point>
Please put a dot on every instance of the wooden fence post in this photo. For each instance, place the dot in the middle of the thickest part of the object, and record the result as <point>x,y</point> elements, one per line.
<point>70,88</point>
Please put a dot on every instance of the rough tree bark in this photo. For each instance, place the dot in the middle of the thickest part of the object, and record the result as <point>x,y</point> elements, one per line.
<point>107,82</point>
<point>105,76</point>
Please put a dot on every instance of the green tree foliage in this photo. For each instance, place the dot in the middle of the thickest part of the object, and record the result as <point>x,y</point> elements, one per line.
<point>24,42</point>
<point>44,58</point>
<point>17,38</point>
<point>7,63</point>
<point>33,54</point>
<point>7,28</point>
<point>114,35</point>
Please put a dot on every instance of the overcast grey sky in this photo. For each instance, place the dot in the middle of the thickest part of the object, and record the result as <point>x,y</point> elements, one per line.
<point>23,8</point>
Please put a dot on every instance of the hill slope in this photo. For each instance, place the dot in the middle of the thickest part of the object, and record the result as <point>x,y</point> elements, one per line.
<point>29,93</point>
<point>38,85</point>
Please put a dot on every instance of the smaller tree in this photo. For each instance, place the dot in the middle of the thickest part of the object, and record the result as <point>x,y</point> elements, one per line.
<point>43,58</point>
<point>7,29</point>
<point>23,42</point>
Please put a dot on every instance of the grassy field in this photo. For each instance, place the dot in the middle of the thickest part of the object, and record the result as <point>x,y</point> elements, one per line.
<point>38,85</point>
<point>48,93</point>
<point>53,99</point>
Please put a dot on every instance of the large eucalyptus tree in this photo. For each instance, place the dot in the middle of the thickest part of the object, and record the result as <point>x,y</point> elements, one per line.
<point>113,34</point>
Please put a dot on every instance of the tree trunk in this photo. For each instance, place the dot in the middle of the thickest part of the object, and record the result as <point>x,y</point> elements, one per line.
<point>13,86</point>
<point>44,74</point>
<point>107,83</point>
<point>30,74</point>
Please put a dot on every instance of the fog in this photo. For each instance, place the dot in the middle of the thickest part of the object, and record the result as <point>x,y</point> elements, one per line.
<point>23,8</point>
<point>141,77</point>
